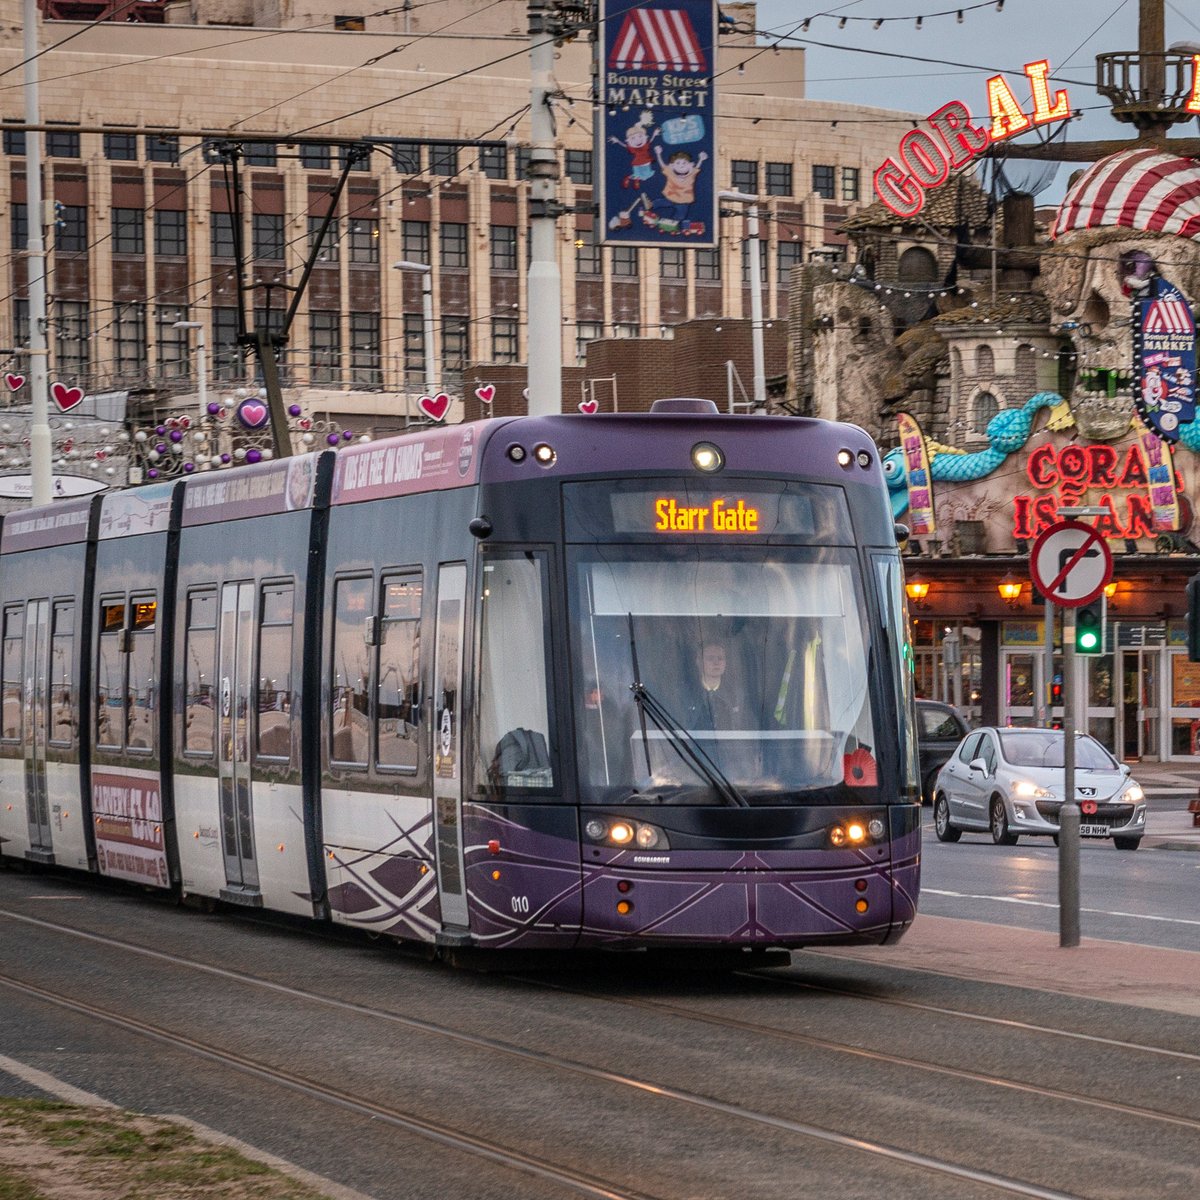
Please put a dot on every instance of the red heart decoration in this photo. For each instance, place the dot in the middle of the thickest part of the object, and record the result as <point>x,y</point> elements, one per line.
<point>15,382</point>
<point>434,407</point>
<point>101,455</point>
<point>588,406</point>
<point>68,445</point>
<point>306,423</point>
<point>66,397</point>
<point>185,422</point>
<point>253,413</point>
<point>486,393</point>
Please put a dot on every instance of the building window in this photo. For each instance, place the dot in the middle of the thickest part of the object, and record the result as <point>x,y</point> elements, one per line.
<point>504,248</point>
<point>579,166</point>
<point>170,232</point>
<point>174,357</point>
<point>985,362</point>
<point>61,144</point>
<point>315,157</point>
<point>222,235</point>
<point>624,260</point>
<point>121,147</point>
<point>72,347</point>
<point>329,243</point>
<point>325,347</point>
<point>361,157</point>
<point>414,347</point>
<point>851,189</point>
<point>822,181</point>
<point>779,179</point>
<point>443,160</point>
<point>129,340</point>
<point>493,161</point>
<point>128,231</point>
<point>227,354</point>
<point>504,340</point>
<point>364,240</point>
<point>626,329</point>
<point>708,265</point>
<point>744,175</point>
<point>586,331</point>
<point>917,265</point>
<point>521,160</point>
<point>453,238</point>
<point>762,262</point>
<point>790,254</point>
<point>406,157</point>
<point>260,154</point>
<point>350,24</point>
<point>587,253</point>
<point>454,347</point>
<point>364,350</point>
<point>70,227</point>
<point>414,238</point>
<point>14,141</point>
<point>19,216</point>
<point>267,229</point>
<point>164,148</point>
<point>984,408</point>
<point>672,264</point>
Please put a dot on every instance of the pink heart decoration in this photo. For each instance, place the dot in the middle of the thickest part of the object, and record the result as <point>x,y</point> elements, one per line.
<point>253,414</point>
<point>588,406</point>
<point>101,455</point>
<point>434,407</point>
<point>306,423</point>
<point>486,393</point>
<point>15,382</point>
<point>66,397</point>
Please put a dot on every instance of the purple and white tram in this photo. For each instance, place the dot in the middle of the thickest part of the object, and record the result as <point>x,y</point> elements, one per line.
<point>461,687</point>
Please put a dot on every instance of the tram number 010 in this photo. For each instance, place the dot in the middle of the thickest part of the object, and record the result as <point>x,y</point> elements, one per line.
<point>520,904</point>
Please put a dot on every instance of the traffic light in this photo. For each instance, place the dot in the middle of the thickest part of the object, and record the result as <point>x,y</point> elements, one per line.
<point>1193,626</point>
<point>1089,626</point>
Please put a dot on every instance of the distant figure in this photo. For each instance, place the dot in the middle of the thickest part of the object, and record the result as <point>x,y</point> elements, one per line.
<point>716,704</point>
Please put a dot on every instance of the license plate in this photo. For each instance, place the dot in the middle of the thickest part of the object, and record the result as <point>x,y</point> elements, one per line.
<point>1093,831</point>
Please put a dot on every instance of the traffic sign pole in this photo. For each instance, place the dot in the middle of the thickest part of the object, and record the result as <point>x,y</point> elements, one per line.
<point>1068,813</point>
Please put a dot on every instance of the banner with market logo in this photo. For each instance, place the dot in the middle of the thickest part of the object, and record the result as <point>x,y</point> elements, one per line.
<point>1160,478</point>
<point>655,143</point>
<point>916,475</point>
<point>1164,360</point>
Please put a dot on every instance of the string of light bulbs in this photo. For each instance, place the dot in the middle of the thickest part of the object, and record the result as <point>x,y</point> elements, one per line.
<point>918,19</point>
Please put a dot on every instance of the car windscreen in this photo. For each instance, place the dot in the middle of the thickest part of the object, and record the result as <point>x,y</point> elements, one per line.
<point>1047,750</point>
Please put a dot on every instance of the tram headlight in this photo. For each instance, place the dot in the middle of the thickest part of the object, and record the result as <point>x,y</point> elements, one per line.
<point>646,837</point>
<point>707,457</point>
<point>545,454</point>
<point>875,827</point>
<point>595,830</point>
<point>857,831</point>
<point>620,833</point>
<point>845,458</point>
<point>623,832</point>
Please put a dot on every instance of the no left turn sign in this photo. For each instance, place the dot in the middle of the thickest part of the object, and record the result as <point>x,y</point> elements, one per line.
<point>1070,563</point>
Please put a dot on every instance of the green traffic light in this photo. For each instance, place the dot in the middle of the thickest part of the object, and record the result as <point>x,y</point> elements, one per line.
<point>1089,640</point>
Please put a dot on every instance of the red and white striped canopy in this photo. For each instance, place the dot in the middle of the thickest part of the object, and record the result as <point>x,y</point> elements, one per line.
<point>1139,189</point>
<point>661,39</point>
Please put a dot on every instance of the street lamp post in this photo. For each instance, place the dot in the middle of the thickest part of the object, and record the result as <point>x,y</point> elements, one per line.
<point>426,273</point>
<point>201,361</point>
<point>756,307</point>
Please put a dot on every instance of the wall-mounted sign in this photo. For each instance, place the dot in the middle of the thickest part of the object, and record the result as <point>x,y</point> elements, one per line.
<point>921,521</point>
<point>950,139</point>
<point>1164,359</point>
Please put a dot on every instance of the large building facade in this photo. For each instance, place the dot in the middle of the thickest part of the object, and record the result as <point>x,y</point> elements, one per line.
<point>141,224</point>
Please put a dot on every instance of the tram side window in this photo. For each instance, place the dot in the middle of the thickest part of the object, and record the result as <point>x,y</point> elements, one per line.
<point>398,692</point>
<point>274,703</point>
<point>348,719</point>
<point>143,686</point>
<point>515,740</point>
<point>110,677</point>
<point>62,687</point>
<point>200,651</point>
<point>10,669</point>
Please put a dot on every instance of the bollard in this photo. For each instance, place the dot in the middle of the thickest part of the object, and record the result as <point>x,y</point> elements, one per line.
<point>1068,875</point>
<point>1194,809</point>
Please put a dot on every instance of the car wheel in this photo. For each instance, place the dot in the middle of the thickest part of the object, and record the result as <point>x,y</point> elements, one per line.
<point>1127,843</point>
<point>1001,834</point>
<point>941,821</point>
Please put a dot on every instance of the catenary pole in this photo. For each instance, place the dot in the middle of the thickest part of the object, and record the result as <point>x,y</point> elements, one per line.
<point>35,256</point>
<point>545,283</point>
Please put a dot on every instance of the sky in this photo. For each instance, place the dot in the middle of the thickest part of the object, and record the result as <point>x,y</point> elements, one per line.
<point>1069,33</point>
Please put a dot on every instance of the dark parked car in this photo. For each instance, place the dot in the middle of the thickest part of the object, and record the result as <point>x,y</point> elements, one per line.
<point>940,728</point>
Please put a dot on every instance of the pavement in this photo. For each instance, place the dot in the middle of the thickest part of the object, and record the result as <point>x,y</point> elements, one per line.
<point>1169,787</point>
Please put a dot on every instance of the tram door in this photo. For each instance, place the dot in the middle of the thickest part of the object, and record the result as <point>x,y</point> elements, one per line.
<point>233,755</point>
<point>447,741</point>
<point>37,651</point>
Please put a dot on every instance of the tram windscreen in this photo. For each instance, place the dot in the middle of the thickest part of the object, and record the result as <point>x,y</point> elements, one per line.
<point>721,680</point>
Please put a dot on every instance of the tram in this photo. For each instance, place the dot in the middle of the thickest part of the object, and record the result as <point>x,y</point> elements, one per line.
<point>619,681</point>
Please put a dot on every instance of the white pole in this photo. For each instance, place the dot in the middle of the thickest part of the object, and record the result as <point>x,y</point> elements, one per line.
<point>545,283</point>
<point>756,306</point>
<point>201,362</point>
<point>427,323</point>
<point>35,246</point>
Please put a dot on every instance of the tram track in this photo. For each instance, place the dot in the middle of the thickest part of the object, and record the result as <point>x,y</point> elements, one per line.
<point>580,1182</point>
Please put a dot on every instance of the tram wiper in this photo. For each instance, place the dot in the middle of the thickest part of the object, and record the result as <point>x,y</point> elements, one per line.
<point>686,746</point>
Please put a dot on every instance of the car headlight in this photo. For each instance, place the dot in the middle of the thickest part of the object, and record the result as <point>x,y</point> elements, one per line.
<point>1030,791</point>
<point>1134,794</point>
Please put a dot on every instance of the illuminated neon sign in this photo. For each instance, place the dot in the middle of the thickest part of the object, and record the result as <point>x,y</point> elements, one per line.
<point>949,139</point>
<point>718,517</point>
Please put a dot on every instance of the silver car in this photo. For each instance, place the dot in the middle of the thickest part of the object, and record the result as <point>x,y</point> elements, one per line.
<point>1010,781</point>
